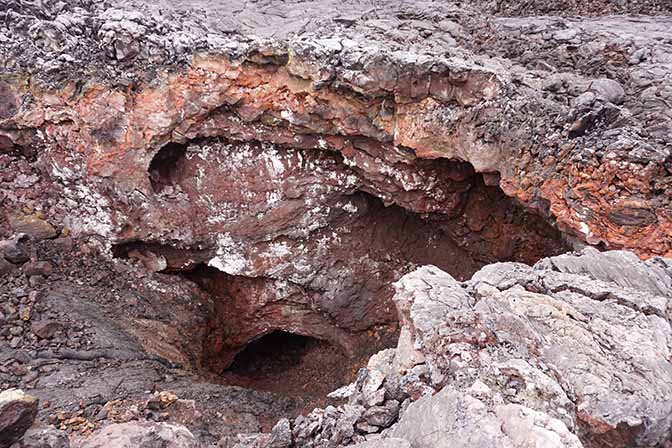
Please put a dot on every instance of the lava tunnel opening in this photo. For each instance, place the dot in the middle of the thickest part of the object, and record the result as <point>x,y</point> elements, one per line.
<point>271,354</point>
<point>293,365</point>
<point>164,165</point>
<point>298,250</point>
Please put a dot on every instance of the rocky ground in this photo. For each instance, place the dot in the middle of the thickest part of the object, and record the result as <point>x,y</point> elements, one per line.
<point>330,223</point>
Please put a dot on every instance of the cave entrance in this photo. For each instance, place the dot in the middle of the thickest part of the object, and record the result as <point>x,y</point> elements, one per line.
<point>301,367</point>
<point>308,243</point>
<point>164,167</point>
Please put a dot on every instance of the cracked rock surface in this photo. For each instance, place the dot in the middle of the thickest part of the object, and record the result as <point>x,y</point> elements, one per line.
<point>581,347</point>
<point>213,212</point>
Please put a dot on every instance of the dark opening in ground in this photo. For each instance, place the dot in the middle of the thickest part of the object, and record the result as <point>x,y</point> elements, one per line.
<point>271,354</point>
<point>164,165</point>
<point>333,282</point>
<point>303,368</point>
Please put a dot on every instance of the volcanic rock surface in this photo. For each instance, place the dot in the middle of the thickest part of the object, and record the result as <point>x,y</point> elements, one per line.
<point>205,206</point>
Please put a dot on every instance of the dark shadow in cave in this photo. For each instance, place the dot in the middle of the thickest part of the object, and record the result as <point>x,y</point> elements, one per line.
<point>164,166</point>
<point>296,366</point>
<point>271,354</point>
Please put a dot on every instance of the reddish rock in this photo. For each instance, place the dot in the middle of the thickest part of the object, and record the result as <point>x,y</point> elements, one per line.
<point>17,413</point>
<point>46,329</point>
<point>35,268</point>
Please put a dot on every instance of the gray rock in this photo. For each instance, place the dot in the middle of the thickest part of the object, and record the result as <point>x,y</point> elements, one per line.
<point>453,419</point>
<point>43,437</point>
<point>281,434</point>
<point>15,249</point>
<point>622,268</point>
<point>137,434</point>
<point>608,90</point>
<point>382,416</point>
<point>573,329</point>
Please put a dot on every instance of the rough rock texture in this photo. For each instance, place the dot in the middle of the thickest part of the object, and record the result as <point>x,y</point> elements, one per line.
<point>454,419</point>
<point>285,163</point>
<point>271,158</point>
<point>43,437</point>
<point>17,413</point>
<point>101,341</point>
<point>518,356</point>
<point>591,349</point>
<point>132,434</point>
<point>586,135</point>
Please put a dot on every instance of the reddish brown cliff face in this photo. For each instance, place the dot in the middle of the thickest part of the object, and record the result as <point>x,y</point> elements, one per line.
<point>296,240</point>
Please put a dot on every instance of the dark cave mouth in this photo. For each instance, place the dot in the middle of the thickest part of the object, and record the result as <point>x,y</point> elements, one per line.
<point>271,354</point>
<point>255,347</point>
<point>293,365</point>
<point>164,165</point>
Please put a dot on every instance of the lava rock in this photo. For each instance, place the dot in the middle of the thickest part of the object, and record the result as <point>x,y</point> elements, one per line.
<point>137,434</point>
<point>34,226</point>
<point>43,437</point>
<point>15,250</point>
<point>608,90</point>
<point>452,419</point>
<point>46,329</point>
<point>521,318</point>
<point>38,269</point>
<point>281,434</point>
<point>382,416</point>
<point>17,413</point>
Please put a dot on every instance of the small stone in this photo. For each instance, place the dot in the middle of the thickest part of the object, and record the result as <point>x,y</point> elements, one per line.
<point>281,434</point>
<point>343,393</point>
<point>366,428</point>
<point>14,250</point>
<point>38,268</point>
<point>608,90</point>
<point>25,313</point>
<point>162,400</point>
<point>34,226</point>
<point>15,342</point>
<point>46,329</point>
<point>382,416</point>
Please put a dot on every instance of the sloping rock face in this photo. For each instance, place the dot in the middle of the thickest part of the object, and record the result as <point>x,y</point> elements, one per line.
<point>584,348</point>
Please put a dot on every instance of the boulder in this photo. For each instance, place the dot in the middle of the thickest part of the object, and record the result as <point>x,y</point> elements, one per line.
<point>43,437</point>
<point>14,250</point>
<point>572,337</point>
<point>35,226</point>
<point>454,419</point>
<point>140,434</point>
<point>17,413</point>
